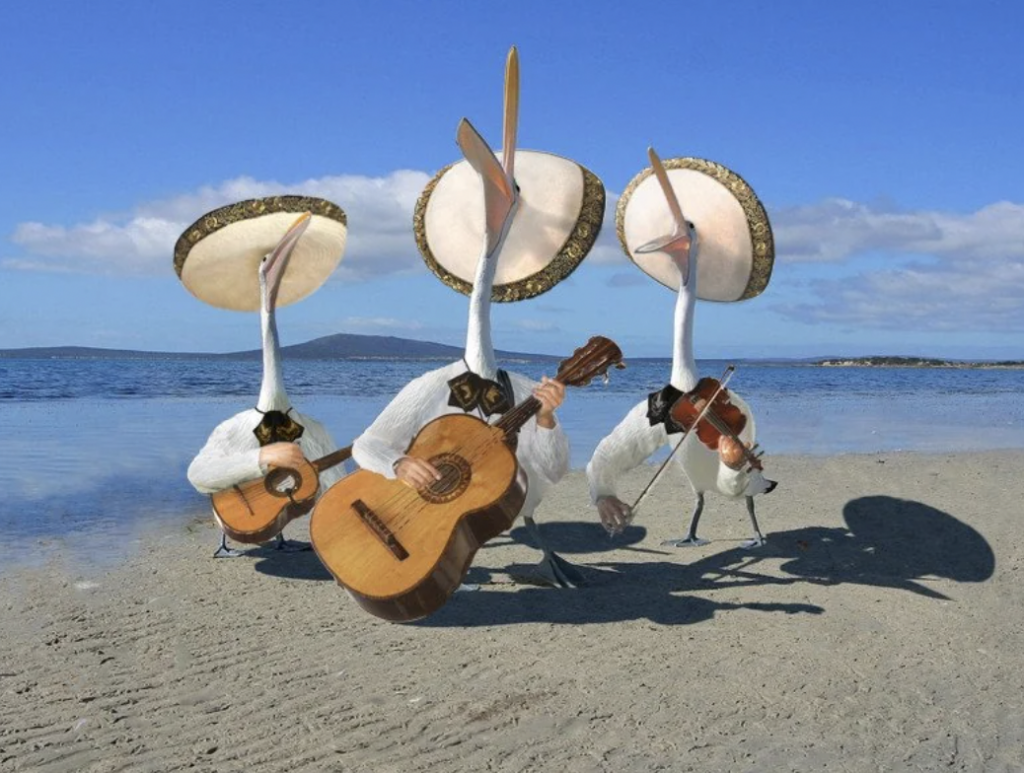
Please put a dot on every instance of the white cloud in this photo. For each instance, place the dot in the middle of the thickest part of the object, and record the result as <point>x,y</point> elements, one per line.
<point>142,242</point>
<point>969,276</point>
<point>835,230</point>
<point>969,295</point>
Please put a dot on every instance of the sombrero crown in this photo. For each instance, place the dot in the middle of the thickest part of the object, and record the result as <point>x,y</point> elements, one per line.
<point>736,247</point>
<point>217,257</point>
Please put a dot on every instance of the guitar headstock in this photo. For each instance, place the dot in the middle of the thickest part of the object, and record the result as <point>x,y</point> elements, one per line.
<point>590,360</point>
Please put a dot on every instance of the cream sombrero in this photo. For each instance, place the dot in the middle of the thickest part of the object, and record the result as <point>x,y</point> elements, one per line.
<point>217,257</point>
<point>737,250</point>
<point>561,207</point>
<point>557,220</point>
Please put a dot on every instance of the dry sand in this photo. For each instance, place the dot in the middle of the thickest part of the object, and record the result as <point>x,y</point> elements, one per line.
<point>879,630</point>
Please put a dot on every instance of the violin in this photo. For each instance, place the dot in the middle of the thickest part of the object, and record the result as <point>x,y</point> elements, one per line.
<point>721,418</point>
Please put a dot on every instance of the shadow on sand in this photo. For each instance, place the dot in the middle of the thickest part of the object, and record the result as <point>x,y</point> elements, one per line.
<point>301,565</point>
<point>888,542</point>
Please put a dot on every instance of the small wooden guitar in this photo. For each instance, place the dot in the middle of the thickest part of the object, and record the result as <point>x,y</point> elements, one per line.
<point>259,509</point>
<point>402,552</point>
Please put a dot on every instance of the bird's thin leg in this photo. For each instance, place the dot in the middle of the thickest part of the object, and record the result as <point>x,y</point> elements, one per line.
<point>224,551</point>
<point>553,569</point>
<point>691,539</point>
<point>758,539</point>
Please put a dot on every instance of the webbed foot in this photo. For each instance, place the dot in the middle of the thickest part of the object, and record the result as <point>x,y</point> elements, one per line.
<point>225,552</point>
<point>686,542</point>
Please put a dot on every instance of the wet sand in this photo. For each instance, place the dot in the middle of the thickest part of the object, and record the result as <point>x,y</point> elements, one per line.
<point>880,629</point>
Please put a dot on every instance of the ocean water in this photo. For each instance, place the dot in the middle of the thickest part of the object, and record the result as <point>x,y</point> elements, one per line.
<point>94,452</point>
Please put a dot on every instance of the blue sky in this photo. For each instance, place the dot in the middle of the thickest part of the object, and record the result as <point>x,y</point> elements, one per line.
<point>884,140</point>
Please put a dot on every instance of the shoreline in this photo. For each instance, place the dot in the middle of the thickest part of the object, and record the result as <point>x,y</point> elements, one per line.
<point>98,550</point>
<point>879,628</point>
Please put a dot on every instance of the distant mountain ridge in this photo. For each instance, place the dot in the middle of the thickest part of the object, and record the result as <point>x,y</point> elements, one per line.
<point>351,346</point>
<point>340,346</point>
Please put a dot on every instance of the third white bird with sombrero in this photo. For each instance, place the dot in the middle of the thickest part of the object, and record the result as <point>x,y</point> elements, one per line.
<point>725,241</point>
<point>261,254</point>
<point>538,217</point>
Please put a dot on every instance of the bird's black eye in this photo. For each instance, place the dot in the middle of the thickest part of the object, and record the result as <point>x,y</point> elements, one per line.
<point>691,225</point>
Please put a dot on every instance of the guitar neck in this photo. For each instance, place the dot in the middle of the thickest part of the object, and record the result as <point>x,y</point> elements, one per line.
<point>333,458</point>
<point>514,420</point>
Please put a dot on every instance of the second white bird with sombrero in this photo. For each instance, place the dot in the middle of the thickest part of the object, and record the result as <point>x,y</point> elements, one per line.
<point>722,250</point>
<point>253,255</point>
<point>502,231</point>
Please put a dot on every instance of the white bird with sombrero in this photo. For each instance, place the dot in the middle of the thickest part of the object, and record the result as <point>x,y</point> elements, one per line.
<point>723,247</point>
<point>502,231</point>
<point>261,254</point>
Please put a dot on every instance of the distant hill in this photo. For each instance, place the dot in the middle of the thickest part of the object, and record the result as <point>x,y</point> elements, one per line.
<point>341,346</point>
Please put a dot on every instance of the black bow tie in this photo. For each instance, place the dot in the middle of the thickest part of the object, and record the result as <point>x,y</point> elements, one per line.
<point>277,427</point>
<point>659,408</point>
<point>470,391</point>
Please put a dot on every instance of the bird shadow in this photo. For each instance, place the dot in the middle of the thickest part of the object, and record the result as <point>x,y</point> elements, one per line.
<point>297,565</point>
<point>579,537</point>
<point>887,542</point>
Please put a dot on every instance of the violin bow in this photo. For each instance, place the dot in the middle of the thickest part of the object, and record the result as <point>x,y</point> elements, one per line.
<point>700,416</point>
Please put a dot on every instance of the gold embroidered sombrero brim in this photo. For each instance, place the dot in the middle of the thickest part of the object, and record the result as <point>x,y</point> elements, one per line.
<point>217,257</point>
<point>561,207</point>
<point>736,248</point>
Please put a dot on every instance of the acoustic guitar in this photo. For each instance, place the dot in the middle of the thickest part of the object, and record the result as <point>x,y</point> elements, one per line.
<point>401,552</point>
<point>259,509</point>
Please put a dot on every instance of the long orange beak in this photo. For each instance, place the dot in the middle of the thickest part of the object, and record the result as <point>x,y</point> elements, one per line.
<point>679,240</point>
<point>275,263</point>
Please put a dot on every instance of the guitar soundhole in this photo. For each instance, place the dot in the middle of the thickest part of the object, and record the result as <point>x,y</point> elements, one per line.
<point>455,476</point>
<point>282,482</point>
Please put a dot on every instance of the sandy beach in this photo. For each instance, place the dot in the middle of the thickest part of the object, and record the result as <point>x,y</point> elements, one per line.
<point>879,630</point>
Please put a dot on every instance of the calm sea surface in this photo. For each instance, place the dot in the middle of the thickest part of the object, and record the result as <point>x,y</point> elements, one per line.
<point>95,451</point>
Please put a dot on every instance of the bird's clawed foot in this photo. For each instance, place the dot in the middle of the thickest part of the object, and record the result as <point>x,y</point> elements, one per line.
<point>754,542</point>
<point>692,541</point>
<point>225,552</point>
<point>290,546</point>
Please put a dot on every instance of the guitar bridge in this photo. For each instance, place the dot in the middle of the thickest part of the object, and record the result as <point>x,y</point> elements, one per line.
<point>380,530</point>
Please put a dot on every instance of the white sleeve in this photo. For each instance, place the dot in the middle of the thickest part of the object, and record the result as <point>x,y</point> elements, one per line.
<point>628,445</point>
<point>386,440</point>
<point>548,448</point>
<point>219,464</point>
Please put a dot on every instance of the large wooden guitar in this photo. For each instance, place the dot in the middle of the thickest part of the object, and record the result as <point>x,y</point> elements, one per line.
<point>401,552</point>
<point>259,509</point>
